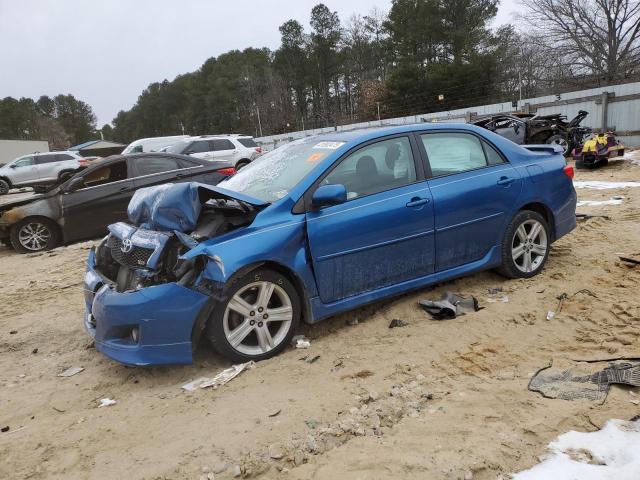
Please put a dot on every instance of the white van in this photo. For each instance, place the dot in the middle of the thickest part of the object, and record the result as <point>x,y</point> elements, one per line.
<point>153,144</point>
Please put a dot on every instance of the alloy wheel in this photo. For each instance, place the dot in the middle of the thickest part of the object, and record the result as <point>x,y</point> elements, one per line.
<point>34,236</point>
<point>257,318</point>
<point>529,246</point>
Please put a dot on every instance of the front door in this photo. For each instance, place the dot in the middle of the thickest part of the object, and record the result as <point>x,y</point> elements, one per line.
<point>25,171</point>
<point>101,201</point>
<point>475,192</point>
<point>383,233</point>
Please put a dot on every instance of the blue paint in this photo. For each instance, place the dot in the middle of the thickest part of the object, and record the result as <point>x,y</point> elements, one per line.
<point>343,255</point>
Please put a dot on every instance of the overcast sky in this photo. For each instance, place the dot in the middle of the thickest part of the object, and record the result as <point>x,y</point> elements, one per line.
<point>107,52</point>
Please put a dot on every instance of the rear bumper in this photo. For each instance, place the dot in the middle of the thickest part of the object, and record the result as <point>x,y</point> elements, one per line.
<point>565,216</point>
<point>164,316</point>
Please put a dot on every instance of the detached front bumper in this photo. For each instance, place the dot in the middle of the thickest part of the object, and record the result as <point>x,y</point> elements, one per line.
<point>150,326</point>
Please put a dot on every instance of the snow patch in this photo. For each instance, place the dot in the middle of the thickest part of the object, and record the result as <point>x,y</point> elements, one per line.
<point>612,453</point>
<point>595,203</point>
<point>594,185</point>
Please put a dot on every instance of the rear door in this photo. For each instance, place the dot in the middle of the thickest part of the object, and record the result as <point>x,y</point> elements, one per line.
<point>24,171</point>
<point>46,165</point>
<point>383,233</point>
<point>224,149</point>
<point>102,200</point>
<point>155,170</point>
<point>475,191</point>
<point>200,149</point>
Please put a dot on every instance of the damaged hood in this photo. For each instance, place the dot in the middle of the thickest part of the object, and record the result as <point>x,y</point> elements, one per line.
<point>176,207</point>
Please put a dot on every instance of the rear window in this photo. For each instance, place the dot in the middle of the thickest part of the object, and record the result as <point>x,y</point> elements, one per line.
<point>151,165</point>
<point>222,144</point>
<point>247,142</point>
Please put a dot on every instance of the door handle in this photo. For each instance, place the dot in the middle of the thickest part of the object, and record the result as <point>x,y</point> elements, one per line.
<point>123,189</point>
<point>417,201</point>
<point>505,181</point>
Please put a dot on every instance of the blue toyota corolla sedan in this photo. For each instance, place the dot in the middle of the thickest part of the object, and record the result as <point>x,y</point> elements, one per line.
<point>317,227</point>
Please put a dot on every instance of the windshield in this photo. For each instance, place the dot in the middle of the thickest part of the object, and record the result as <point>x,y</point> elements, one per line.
<point>177,147</point>
<point>273,175</point>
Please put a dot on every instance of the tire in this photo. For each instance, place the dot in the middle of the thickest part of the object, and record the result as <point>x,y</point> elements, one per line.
<point>65,175</point>
<point>4,187</point>
<point>560,140</point>
<point>535,246</point>
<point>241,164</point>
<point>250,343</point>
<point>48,238</point>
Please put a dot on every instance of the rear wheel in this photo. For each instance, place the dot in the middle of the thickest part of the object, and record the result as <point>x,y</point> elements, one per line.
<point>257,319</point>
<point>242,163</point>
<point>34,235</point>
<point>525,246</point>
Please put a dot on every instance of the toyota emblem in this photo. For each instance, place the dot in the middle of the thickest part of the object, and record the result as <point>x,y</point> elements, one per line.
<point>127,246</point>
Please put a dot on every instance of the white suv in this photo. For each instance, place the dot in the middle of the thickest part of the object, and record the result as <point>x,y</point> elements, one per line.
<point>240,150</point>
<point>37,170</point>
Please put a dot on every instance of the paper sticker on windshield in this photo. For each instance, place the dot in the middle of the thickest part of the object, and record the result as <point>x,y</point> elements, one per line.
<point>314,157</point>
<point>329,145</point>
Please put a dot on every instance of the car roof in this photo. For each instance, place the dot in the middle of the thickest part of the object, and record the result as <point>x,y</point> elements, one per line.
<point>365,134</point>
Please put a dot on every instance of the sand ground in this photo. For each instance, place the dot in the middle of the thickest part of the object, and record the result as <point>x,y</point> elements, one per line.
<point>436,400</point>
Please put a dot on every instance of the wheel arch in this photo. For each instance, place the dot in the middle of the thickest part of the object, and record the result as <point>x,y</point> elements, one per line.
<point>6,179</point>
<point>297,282</point>
<point>546,213</point>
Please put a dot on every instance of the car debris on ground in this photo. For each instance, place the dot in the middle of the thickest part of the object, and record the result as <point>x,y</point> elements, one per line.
<point>220,379</point>
<point>631,260</point>
<point>449,306</point>
<point>71,371</point>
<point>585,380</point>
<point>395,323</point>
<point>300,341</point>
<point>106,402</point>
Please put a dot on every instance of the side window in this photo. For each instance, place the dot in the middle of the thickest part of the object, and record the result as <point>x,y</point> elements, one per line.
<point>199,147</point>
<point>61,157</point>
<point>493,157</point>
<point>43,159</point>
<point>453,152</point>
<point>375,168</point>
<point>222,144</point>
<point>151,165</point>
<point>25,162</point>
<point>107,174</point>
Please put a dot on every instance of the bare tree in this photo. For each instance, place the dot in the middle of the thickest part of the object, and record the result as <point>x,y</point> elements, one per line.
<point>599,37</point>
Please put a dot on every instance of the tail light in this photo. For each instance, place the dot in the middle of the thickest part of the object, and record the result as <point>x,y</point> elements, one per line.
<point>259,149</point>
<point>226,171</point>
<point>568,171</point>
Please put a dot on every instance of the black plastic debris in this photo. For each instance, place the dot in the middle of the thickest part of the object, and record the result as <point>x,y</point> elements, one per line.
<point>396,322</point>
<point>633,261</point>
<point>4,429</point>
<point>449,306</point>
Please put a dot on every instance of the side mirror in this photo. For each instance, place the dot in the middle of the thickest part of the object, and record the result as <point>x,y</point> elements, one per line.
<point>327,195</point>
<point>74,184</point>
<point>13,166</point>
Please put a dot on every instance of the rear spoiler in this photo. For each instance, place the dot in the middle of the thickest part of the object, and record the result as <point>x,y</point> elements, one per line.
<point>551,149</point>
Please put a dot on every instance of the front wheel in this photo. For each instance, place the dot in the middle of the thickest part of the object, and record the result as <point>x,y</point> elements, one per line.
<point>525,246</point>
<point>34,235</point>
<point>4,187</point>
<point>257,319</point>
<point>242,164</point>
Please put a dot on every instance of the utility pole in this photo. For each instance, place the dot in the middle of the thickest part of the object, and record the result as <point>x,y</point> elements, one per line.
<point>259,124</point>
<point>378,105</point>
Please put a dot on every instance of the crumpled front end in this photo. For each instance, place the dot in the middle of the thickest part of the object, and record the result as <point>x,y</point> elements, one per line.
<point>148,326</point>
<point>145,299</point>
